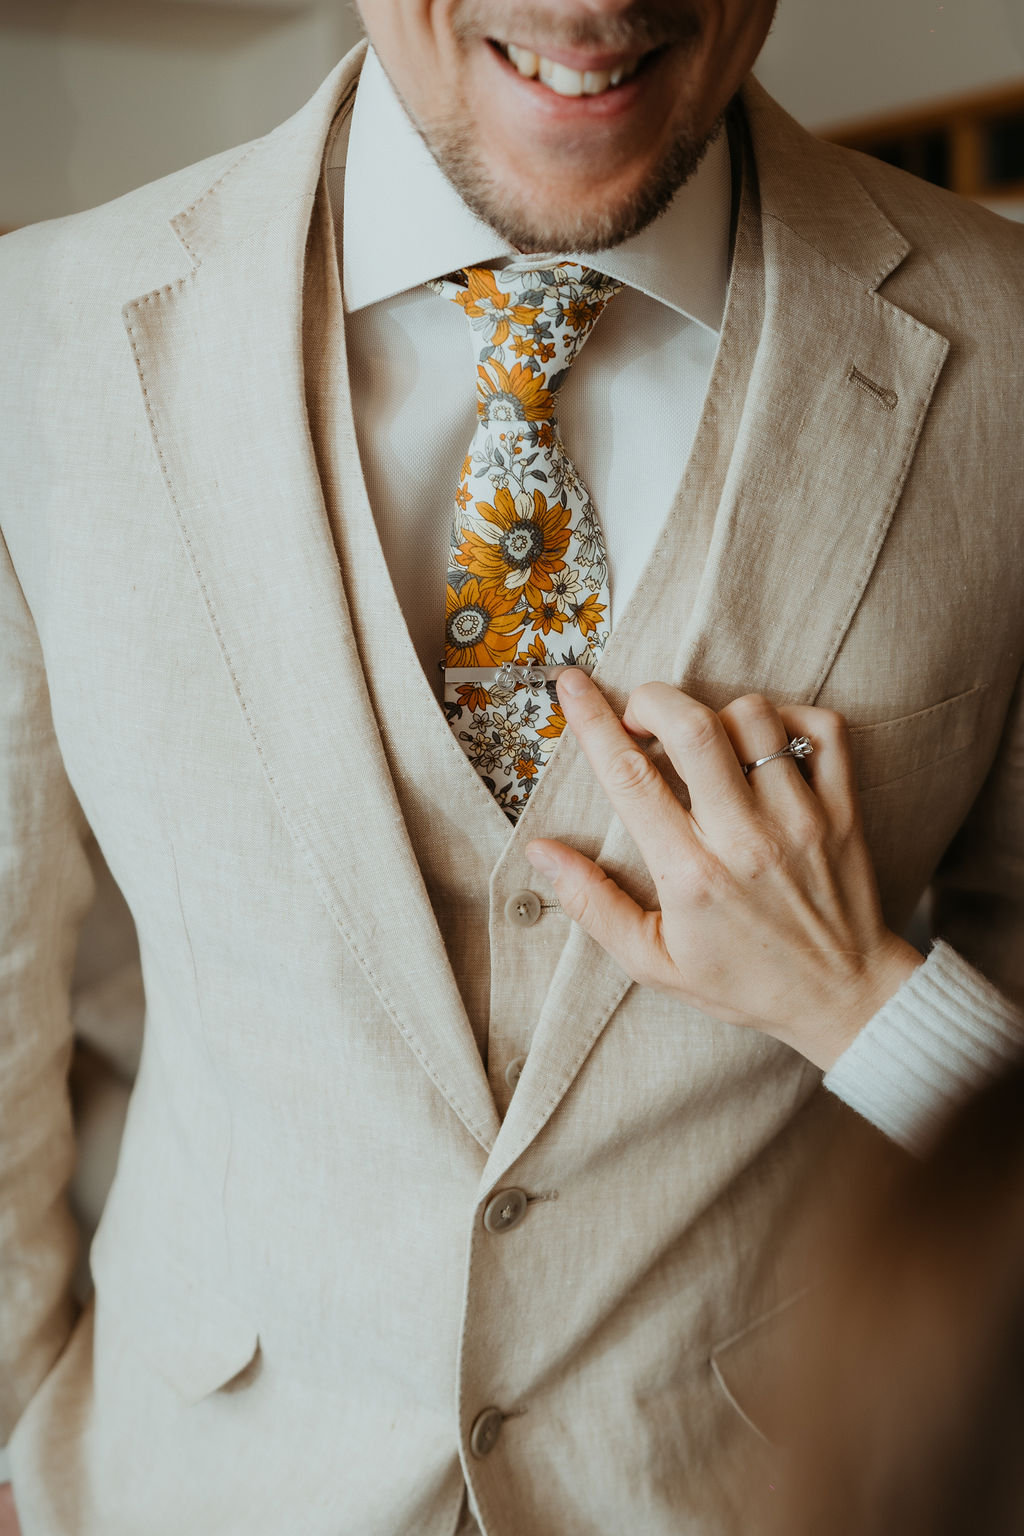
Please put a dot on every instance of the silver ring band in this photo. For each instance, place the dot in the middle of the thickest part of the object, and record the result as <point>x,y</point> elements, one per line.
<point>799,747</point>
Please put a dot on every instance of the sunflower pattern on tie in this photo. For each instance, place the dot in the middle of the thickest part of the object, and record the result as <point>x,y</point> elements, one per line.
<point>527,571</point>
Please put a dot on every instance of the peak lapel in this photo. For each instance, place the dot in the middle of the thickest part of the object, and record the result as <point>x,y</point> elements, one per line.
<point>219,356</point>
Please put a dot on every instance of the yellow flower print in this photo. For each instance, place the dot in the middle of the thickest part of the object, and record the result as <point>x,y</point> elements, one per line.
<point>482,298</point>
<point>535,655</point>
<point>546,617</point>
<point>512,394</point>
<point>588,615</point>
<point>581,315</point>
<point>517,544</point>
<point>473,697</point>
<point>527,569</point>
<point>556,721</point>
<point>480,628</point>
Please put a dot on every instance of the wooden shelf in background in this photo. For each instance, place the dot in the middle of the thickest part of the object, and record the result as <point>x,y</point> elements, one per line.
<point>971,144</point>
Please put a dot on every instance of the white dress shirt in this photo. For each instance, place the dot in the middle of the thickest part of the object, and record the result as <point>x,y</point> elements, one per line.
<point>631,404</point>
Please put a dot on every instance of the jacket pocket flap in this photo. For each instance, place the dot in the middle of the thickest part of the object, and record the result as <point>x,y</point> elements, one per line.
<point>892,749</point>
<point>188,1331</point>
<point>203,1354</point>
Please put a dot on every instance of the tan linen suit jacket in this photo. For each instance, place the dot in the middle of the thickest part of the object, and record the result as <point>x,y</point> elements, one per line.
<point>299,1311</point>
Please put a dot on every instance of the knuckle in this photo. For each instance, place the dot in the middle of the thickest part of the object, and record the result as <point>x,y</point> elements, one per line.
<point>645,693</point>
<point>807,827</point>
<point>575,904</point>
<point>631,772</point>
<point>698,728</point>
<point>579,903</point>
<point>694,884</point>
<point>754,855</point>
<point>753,709</point>
<point>832,725</point>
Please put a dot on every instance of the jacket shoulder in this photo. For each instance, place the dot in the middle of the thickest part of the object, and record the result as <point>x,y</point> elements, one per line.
<point>964,273</point>
<point>949,227</point>
<point>117,244</point>
<point>849,205</point>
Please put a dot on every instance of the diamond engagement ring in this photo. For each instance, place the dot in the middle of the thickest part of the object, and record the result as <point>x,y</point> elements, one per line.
<point>799,747</point>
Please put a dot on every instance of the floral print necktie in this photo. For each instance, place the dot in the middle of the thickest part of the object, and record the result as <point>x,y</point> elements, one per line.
<point>527,569</point>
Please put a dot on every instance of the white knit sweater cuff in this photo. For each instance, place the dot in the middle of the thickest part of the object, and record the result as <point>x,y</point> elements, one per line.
<point>941,1036</point>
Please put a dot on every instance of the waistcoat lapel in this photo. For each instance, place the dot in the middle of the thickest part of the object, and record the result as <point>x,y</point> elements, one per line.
<point>791,485</point>
<point>220,359</point>
<point>456,830</point>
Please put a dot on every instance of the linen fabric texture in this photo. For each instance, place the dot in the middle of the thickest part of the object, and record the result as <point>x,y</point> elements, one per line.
<point>299,1313</point>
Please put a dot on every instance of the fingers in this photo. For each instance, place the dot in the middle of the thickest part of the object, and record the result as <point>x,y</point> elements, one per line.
<point>756,730</point>
<point>700,751</point>
<point>591,898</point>
<point>648,809</point>
<point>830,770</point>
<point>825,779</point>
<point>754,727</point>
<point>708,751</point>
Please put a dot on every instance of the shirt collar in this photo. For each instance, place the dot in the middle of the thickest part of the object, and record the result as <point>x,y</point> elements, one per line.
<point>404,222</point>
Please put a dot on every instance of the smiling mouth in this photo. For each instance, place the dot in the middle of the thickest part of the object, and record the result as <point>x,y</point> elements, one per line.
<point>573,82</point>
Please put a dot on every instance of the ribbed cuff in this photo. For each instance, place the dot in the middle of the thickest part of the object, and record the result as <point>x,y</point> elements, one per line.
<point>945,1032</point>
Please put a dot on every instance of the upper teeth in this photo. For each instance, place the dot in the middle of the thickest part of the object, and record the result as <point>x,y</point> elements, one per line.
<point>565,81</point>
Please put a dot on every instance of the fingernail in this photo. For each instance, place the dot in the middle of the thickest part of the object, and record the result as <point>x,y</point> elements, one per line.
<point>575,680</point>
<point>543,863</point>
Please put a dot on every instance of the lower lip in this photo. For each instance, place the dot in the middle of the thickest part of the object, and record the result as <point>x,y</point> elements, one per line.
<point>614,102</point>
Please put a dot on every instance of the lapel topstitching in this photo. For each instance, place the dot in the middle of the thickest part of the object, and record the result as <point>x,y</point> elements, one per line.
<point>220,359</point>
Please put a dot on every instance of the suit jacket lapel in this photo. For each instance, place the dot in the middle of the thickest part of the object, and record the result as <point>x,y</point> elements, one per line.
<point>219,355</point>
<point>838,396</point>
<point>839,385</point>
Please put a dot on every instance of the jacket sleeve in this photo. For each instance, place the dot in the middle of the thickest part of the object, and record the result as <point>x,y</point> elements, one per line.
<point>45,889</point>
<point>959,1019</point>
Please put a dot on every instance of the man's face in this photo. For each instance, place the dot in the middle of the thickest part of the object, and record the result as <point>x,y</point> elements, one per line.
<point>567,124</point>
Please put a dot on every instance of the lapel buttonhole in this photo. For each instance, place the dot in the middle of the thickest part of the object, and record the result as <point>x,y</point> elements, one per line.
<point>888,399</point>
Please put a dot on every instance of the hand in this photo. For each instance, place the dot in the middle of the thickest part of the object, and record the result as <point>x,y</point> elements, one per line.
<point>769,914</point>
<point>9,1525</point>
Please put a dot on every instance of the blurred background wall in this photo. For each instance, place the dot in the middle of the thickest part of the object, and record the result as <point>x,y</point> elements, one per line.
<point>99,96</point>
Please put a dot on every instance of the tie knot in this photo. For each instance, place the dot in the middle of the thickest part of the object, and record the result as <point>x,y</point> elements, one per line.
<point>531,323</point>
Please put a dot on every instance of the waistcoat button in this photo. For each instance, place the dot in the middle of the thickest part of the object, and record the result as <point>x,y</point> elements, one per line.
<point>523,908</point>
<point>483,1437</point>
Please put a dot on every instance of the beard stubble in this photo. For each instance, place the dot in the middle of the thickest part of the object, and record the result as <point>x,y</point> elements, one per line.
<point>452,141</point>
